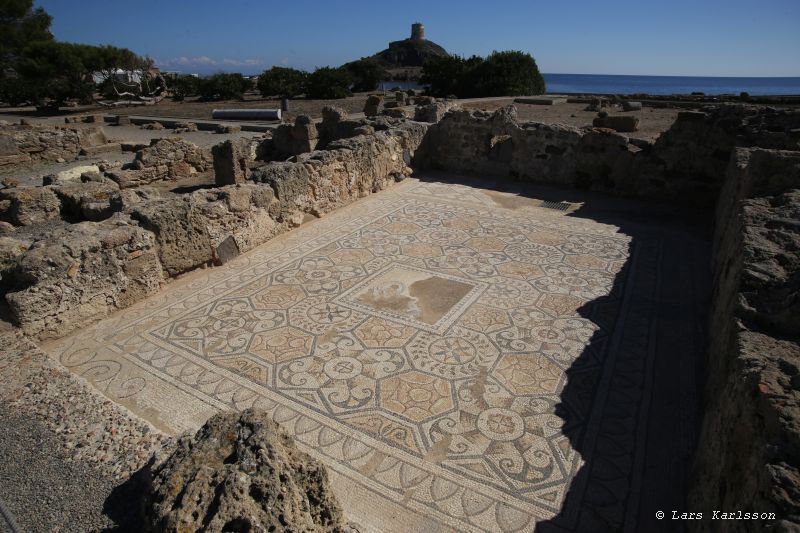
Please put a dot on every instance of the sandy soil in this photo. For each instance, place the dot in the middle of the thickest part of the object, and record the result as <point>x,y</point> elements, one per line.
<point>194,108</point>
<point>652,121</point>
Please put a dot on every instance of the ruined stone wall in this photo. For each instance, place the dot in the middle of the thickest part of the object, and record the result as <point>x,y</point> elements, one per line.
<point>27,143</point>
<point>164,159</point>
<point>71,201</point>
<point>749,448</point>
<point>59,275</point>
<point>70,276</point>
<point>686,164</point>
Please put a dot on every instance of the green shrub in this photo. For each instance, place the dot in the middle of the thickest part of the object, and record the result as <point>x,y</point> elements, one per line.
<point>329,83</point>
<point>509,73</point>
<point>365,74</point>
<point>444,74</point>
<point>224,87</point>
<point>15,91</point>
<point>183,86</point>
<point>282,82</point>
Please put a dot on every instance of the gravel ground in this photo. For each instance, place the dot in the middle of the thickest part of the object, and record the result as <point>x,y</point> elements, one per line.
<point>63,447</point>
<point>42,488</point>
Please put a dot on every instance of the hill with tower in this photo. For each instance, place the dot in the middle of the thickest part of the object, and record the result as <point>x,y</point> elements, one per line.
<point>411,52</point>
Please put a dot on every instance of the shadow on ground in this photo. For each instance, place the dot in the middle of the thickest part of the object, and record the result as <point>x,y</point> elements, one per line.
<point>630,404</point>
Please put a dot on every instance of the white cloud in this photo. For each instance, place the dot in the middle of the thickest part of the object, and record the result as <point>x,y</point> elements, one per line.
<point>205,61</point>
<point>242,62</point>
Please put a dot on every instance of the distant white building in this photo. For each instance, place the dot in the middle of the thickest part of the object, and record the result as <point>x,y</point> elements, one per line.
<point>124,76</point>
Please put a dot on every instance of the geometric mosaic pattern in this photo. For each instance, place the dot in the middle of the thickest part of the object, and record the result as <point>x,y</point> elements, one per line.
<point>424,331</point>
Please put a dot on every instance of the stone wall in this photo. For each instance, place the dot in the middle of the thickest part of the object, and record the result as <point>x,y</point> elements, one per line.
<point>749,448</point>
<point>58,275</point>
<point>306,136</point>
<point>164,160</point>
<point>78,273</point>
<point>27,143</point>
<point>686,164</point>
<point>69,201</point>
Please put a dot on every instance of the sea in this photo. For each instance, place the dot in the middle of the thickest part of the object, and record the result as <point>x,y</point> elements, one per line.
<point>664,85</point>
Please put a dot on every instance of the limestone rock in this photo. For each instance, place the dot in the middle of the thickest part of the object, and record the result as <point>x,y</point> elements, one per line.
<point>372,105</point>
<point>93,200</point>
<point>395,112</point>
<point>164,159</point>
<point>231,159</point>
<point>11,248</point>
<point>23,143</point>
<point>228,128</point>
<point>621,123</point>
<point>753,364</point>
<point>74,173</point>
<point>183,240</point>
<point>184,127</point>
<point>25,206</point>
<point>75,274</point>
<point>239,472</point>
<point>433,112</point>
<point>298,138</point>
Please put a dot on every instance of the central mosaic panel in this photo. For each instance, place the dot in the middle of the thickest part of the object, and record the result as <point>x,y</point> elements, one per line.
<point>420,298</point>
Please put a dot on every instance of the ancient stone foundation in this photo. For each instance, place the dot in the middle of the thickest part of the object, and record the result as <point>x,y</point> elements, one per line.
<point>72,252</point>
<point>686,164</point>
<point>164,159</point>
<point>749,448</point>
<point>27,143</point>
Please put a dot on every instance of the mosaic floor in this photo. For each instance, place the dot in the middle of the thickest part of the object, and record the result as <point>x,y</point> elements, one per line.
<point>442,354</point>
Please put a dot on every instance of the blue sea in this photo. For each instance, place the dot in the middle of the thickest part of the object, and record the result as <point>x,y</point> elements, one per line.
<point>666,85</point>
<point>616,84</point>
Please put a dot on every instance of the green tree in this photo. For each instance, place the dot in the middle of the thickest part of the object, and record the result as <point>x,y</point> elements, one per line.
<point>224,87</point>
<point>444,74</point>
<point>365,74</point>
<point>511,73</point>
<point>183,86</point>
<point>37,68</point>
<point>282,82</point>
<point>327,83</point>
<point>21,25</point>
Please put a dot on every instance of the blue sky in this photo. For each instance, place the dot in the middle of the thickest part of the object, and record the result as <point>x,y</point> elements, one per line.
<point>692,38</point>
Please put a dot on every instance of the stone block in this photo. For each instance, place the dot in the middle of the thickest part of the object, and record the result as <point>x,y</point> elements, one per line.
<point>621,123</point>
<point>631,106</point>
<point>26,206</point>
<point>372,105</point>
<point>397,112</point>
<point>226,250</point>
<point>540,100</point>
<point>230,161</point>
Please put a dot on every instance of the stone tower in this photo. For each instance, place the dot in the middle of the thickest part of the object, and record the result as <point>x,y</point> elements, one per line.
<point>418,31</point>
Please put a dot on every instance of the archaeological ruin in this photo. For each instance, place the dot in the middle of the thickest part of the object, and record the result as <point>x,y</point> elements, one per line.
<point>423,318</point>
